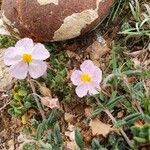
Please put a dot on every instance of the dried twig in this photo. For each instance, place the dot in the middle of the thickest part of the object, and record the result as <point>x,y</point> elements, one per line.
<point>114,121</point>
<point>37,100</point>
<point>5,105</point>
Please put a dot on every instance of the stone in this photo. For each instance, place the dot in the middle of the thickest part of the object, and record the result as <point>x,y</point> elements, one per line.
<point>53,20</point>
<point>3,30</point>
<point>6,81</point>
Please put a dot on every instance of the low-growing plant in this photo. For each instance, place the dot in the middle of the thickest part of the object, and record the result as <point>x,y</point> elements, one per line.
<point>141,135</point>
<point>140,25</point>
<point>57,77</point>
<point>7,41</point>
<point>21,100</point>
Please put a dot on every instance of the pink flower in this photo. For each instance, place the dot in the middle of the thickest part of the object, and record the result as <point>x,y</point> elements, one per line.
<point>88,79</point>
<point>26,58</point>
<point>54,103</point>
<point>50,102</point>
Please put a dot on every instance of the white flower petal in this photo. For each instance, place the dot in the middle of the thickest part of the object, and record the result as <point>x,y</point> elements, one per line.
<point>11,56</point>
<point>26,43</point>
<point>75,77</point>
<point>87,67</point>
<point>37,68</point>
<point>39,52</point>
<point>81,90</point>
<point>97,75</point>
<point>19,70</point>
<point>94,88</point>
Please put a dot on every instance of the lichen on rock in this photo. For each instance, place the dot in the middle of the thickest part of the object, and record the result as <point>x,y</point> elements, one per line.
<point>6,81</point>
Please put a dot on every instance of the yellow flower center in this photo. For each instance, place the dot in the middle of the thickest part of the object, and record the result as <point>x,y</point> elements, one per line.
<point>27,58</point>
<point>86,78</point>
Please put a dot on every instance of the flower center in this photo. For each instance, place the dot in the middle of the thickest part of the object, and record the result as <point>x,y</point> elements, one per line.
<point>27,58</point>
<point>85,78</point>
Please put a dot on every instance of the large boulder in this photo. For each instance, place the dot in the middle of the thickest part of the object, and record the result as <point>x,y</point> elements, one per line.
<point>53,20</point>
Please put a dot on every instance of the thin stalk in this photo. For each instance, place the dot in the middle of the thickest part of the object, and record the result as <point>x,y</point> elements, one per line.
<point>114,121</point>
<point>36,99</point>
<point>4,106</point>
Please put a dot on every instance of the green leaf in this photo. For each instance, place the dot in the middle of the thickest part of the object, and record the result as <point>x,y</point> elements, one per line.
<point>51,118</point>
<point>101,96</point>
<point>22,92</point>
<point>112,102</point>
<point>27,105</point>
<point>135,130</point>
<point>119,123</point>
<point>131,118</point>
<point>34,123</point>
<point>45,146</point>
<point>57,135</point>
<point>15,112</point>
<point>131,72</point>
<point>41,128</point>
<point>79,139</point>
<point>29,146</point>
<point>96,112</point>
<point>140,140</point>
<point>96,145</point>
<point>17,97</point>
<point>146,118</point>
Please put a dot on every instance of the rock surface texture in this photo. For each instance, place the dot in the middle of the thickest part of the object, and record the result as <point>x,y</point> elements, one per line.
<point>53,20</point>
<point>6,81</point>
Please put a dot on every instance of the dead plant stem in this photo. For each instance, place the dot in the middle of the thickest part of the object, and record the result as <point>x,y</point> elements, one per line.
<point>114,121</point>
<point>36,99</point>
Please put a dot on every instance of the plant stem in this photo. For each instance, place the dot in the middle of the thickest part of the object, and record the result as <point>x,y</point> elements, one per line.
<point>36,99</point>
<point>4,106</point>
<point>121,130</point>
<point>114,121</point>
